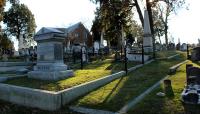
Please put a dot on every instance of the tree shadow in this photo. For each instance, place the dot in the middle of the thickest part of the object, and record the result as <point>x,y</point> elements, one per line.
<point>115,87</point>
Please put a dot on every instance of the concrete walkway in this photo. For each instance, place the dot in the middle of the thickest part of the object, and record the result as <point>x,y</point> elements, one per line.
<point>90,111</point>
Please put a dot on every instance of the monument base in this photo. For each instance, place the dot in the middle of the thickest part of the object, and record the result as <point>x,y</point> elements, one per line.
<point>137,57</point>
<point>50,75</point>
<point>148,49</point>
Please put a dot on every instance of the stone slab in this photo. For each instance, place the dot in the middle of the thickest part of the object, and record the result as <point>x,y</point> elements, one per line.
<point>73,93</point>
<point>8,64</point>
<point>7,77</point>
<point>137,57</point>
<point>30,97</point>
<point>47,100</point>
<point>11,68</point>
<point>50,75</point>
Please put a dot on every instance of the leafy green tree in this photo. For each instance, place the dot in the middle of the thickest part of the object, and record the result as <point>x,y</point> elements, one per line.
<point>96,26</point>
<point>20,21</point>
<point>2,4</point>
<point>114,17</point>
<point>5,42</point>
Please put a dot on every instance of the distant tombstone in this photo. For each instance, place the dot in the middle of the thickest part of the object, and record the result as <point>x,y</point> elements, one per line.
<point>26,54</point>
<point>96,47</point>
<point>5,57</point>
<point>50,65</point>
<point>84,54</point>
<point>16,53</point>
<point>183,47</point>
<point>147,40</point>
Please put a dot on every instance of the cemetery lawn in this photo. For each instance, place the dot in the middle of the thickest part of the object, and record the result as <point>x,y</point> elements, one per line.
<point>10,108</point>
<point>118,93</point>
<point>164,54</point>
<point>153,104</point>
<point>95,70</point>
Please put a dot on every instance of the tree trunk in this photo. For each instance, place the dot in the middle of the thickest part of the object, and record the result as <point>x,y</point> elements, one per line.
<point>139,12</point>
<point>166,35</point>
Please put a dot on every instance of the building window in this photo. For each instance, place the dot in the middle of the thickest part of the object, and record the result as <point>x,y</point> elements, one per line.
<point>76,35</point>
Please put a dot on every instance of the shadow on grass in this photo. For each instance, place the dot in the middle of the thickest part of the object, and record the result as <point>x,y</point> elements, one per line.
<point>112,91</point>
<point>107,64</point>
<point>128,87</point>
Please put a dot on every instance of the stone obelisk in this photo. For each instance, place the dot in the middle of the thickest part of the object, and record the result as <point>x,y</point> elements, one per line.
<point>147,39</point>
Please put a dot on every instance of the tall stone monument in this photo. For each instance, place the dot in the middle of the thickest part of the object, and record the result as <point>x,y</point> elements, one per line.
<point>147,40</point>
<point>50,65</point>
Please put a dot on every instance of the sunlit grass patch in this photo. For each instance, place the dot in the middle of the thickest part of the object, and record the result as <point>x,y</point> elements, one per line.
<point>153,104</point>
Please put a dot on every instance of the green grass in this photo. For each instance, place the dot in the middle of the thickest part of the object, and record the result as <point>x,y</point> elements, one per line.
<point>10,108</point>
<point>153,104</point>
<point>95,70</point>
<point>7,75</point>
<point>13,59</point>
<point>116,94</point>
<point>164,54</point>
<point>81,76</point>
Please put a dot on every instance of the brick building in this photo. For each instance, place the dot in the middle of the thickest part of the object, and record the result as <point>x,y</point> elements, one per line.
<point>77,34</point>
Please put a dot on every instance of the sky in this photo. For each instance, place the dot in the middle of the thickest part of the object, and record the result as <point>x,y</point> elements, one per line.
<point>185,25</point>
<point>63,13</point>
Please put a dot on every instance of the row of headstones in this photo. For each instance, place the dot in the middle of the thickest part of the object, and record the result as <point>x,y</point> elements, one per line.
<point>25,53</point>
<point>9,52</point>
<point>28,54</point>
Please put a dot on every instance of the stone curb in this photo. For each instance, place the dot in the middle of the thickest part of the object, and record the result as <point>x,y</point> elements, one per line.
<point>89,111</point>
<point>170,57</point>
<point>172,69</point>
<point>48,100</point>
<point>9,64</point>
<point>5,78</point>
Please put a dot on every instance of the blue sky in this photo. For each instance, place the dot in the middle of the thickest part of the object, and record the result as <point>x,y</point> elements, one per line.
<point>62,13</point>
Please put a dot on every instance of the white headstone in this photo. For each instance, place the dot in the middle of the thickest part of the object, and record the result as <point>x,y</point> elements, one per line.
<point>96,46</point>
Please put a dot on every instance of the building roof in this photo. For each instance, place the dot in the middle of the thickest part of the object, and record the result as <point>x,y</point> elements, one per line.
<point>73,27</point>
<point>65,31</point>
<point>45,30</point>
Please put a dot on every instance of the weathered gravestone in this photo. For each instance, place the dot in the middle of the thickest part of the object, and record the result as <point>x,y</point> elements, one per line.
<point>50,65</point>
<point>195,56</point>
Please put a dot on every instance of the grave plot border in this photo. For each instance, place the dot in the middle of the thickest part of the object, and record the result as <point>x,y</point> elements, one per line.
<point>48,100</point>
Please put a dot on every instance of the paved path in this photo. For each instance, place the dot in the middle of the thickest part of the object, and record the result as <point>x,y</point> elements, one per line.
<point>90,111</point>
